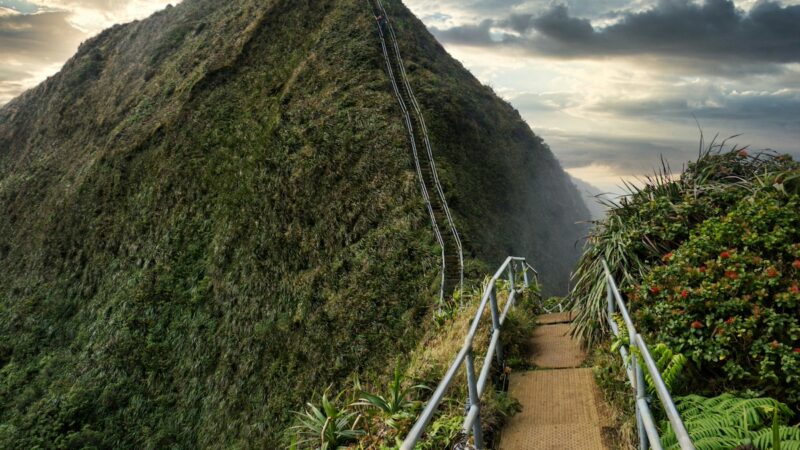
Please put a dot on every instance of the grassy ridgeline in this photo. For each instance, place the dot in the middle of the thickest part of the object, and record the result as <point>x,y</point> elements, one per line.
<point>209,215</point>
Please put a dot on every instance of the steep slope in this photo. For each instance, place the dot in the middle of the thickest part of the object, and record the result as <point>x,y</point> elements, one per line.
<point>210,214</point>
<point>509,193</point>
<point>442,222</point>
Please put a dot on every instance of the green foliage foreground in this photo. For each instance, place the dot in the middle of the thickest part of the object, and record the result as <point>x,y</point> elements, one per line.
<point>727,422</point>
<point>380,415</point>
<point>709,263</point>
<point>728,297</point>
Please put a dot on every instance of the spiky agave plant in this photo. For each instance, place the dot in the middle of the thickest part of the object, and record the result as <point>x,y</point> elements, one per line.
<point>326,427</point>
<point>397,407</point>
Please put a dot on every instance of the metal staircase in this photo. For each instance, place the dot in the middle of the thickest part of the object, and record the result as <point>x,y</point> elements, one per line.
<point>452,270</point>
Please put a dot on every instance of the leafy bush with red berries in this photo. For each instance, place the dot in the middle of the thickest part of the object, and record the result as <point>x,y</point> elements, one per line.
<point>658,216</point>
<point>728,297</point>
<point>709,262</point>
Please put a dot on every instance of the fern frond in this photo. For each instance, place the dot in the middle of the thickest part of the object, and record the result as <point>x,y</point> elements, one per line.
<point>726,421</point>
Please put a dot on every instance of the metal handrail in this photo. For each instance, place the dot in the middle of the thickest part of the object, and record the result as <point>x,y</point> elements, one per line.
<point>426,141</point>
<point>646,426</point>
<point>476,387</point>
<point>410,129</point>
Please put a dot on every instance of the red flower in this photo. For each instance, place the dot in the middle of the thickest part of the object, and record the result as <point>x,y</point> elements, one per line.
<point>796,264</point>
<point>797,350</point>
<point>655,290</point>
<point>774,345</point>
<point>697,325</point>
<point>732,274</point>
<point>702,269</point>
<point>667,257</point>
<point>795,289</point>
<point>725,255</point>
<point>730,320</point>
<point>772,272</point>
<point>684,293</point>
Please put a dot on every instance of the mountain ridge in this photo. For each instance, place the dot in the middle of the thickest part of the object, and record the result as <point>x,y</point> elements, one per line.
<point>210,214</point>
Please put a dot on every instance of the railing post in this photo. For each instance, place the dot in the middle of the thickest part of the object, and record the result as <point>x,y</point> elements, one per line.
<point>496,322</point>
<point>511,276</point>
<point>525,278</point>
<point>474,400</point>
<point>610,297</point>
<point>641,392</point>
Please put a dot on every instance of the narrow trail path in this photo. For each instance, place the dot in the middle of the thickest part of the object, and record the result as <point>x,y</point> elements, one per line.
<point>561,405</point>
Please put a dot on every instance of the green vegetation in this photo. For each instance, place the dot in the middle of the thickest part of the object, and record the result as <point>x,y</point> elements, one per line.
<point>728,297</point>
<point>209,216</point>
<point>709,262</point>
<point>727,422</point>
<point>327,427</point>
<point>655,219</point>
<point>382,416</point>
<point>397,407</point>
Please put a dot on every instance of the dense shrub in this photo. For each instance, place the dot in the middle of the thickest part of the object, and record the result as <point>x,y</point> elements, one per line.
<point>728,422</point>
<point>709,263</point>
<point>658,216</point>
<point>728,297</point>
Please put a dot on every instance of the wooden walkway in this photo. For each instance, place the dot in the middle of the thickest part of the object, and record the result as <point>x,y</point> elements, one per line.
<point>561,406</point>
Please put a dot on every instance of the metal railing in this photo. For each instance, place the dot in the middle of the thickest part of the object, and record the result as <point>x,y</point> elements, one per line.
<point>410,129</point>
<point>424,129</point>
<point>476,387</point>
<point>645,424</point>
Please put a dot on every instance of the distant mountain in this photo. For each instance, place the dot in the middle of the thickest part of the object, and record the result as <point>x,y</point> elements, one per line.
<point>209,215</point>
<point>591,195</point>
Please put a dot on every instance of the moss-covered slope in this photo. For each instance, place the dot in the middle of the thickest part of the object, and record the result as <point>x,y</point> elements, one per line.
<point>209,214</point>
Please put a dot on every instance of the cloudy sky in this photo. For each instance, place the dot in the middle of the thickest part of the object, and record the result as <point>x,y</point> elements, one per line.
<point>610,84</point>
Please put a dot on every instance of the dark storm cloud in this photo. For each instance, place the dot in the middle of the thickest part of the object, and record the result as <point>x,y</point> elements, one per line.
<point>478,34</point>
<point>712,30</point>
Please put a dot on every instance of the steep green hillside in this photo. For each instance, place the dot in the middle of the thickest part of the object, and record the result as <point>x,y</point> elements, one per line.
<point>506,187</point>
<point>210,214</point>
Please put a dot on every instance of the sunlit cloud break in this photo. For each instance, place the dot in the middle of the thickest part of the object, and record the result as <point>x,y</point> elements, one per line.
<point>614,84</point>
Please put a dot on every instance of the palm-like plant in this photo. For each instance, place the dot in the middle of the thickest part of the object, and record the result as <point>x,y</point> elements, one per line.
<point>398,406</point>
<point>326,427</point>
